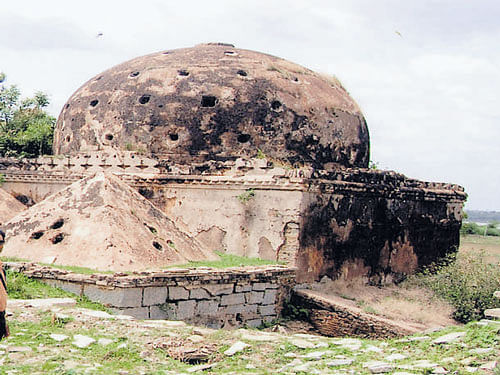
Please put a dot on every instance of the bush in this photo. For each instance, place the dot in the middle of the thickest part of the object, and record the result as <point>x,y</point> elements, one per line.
<point>466,281</point>
<point>482,230</point>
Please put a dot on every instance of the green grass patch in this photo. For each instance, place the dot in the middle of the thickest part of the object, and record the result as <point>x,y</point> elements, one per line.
<point>20,286</point>
<point>227,261</point>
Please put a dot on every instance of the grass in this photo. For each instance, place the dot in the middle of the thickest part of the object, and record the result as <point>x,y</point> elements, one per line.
<point>20,286</point>
<point>228,261</point>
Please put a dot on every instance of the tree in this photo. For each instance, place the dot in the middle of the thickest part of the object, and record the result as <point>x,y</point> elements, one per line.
<point>26,129</point>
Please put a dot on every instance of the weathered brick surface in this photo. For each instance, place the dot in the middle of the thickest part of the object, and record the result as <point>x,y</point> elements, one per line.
<point>216,298</point>
<point>154,296</point>
<point>116,297</point>
<point>207,308</point>
<point>254,297</point>
<point>232,299</point>
<point>270,296</point>
<point>177,293</point>
<point>198,293</point>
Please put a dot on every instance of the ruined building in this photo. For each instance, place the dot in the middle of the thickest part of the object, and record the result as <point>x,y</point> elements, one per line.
<point>237,151</point>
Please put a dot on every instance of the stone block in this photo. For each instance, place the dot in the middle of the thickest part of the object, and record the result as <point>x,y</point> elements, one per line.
<point>259,286</point>
<point>219,289</point>
<point>243,288</point>
<point>207,308</point>
<point>198,293</point>
<point>70,287</point>
<point>254,297</point>
<point>154,295</point>
<point>185,309</point>
<point>166,311</point>
<point>114,297</point>
<point>136,312</point>
<point>270,296</point>
<point>253,323</point>
<point>232,299</point>
<point>267,310</point>
<point>177,293</point>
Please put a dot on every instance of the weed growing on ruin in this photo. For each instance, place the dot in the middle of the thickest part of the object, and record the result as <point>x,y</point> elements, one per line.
<point>2,179</point>
<point>467,281</point>
<point>246,196</point>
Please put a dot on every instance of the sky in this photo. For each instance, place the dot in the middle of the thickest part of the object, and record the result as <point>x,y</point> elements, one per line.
<point>426,73</point>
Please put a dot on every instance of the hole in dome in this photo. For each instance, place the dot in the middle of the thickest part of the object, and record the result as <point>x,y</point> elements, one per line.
<point>68,138</point>
<point>94,102</point>
<point>37,235</point>
<point>109,137</point>
<point>242,73</point>
<point>67,106</point>
<point>24,199</point>
<point>243,138</point>
<point>57,224</point>
<point>144,99</point>
<point>146,193</point>
<point>57,238</point>
<point>166,53</point>
<point>295,79</point>
<point>174,136</point>
<point>160,105</point>
<point>157,246</point>
<point>183,73</point>
<point>134,74</point>
<point>230,53</point>
<point>208,101</point>
<point>98,78</point>
<point>275,104</point>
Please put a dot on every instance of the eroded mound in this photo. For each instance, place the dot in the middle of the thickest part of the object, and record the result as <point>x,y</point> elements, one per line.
<point>100,222</point>
<point>9,207</point>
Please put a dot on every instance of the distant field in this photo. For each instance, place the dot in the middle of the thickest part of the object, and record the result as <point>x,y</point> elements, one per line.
<point>490,245</point>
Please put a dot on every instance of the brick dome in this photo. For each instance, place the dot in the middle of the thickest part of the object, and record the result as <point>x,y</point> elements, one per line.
<point>215,102</point>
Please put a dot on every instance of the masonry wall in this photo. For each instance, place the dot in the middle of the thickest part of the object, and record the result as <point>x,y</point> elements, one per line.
<point>216,298</point>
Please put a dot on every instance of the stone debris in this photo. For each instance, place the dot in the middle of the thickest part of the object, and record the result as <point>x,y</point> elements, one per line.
<point>237,347</point>
<point>340,362</point>
<point>259,336</point>
<point>489,366</point>
<point>42,303</point>
<point>58,337</point>
<point>492,313</point>
<point>316,355</point>
<point>97,314</point>
<point>201,367</point>
<point>82,341</point>
<point>104,341</point>
<point>439,370</point>
<point>395,357</point>
<point>480,350</point>
<point>378,367</point>
<point>19,349</point>
<point>302,344</point>
<point>450,337</point>
<point>424,363</point>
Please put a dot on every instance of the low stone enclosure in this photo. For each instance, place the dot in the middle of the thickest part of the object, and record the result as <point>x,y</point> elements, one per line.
<point>217,298</point>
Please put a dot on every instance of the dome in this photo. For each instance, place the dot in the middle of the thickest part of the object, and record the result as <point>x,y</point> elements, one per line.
<point>215,102</point>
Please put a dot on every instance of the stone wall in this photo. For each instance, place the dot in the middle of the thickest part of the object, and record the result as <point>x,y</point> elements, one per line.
<point>347,222</point>
<point>213,297</point>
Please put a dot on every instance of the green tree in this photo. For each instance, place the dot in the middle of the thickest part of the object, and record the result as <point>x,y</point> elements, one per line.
<point>26,129</point>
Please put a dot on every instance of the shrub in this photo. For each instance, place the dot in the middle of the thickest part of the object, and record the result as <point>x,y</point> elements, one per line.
<point>466,281</point>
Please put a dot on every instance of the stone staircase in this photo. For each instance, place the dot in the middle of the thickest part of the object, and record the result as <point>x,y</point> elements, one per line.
<point>493,313</point>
